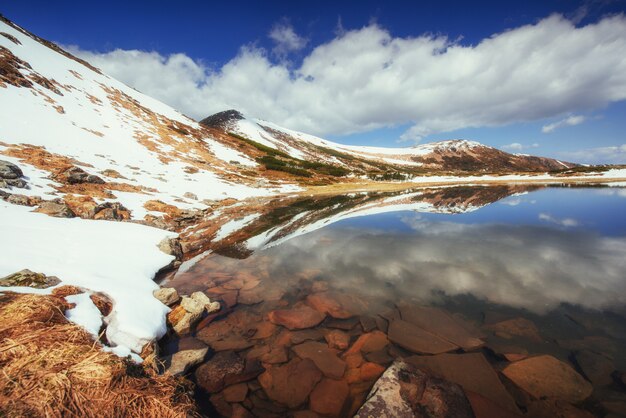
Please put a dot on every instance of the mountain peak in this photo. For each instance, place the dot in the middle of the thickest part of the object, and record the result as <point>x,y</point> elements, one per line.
<point>222,119</point>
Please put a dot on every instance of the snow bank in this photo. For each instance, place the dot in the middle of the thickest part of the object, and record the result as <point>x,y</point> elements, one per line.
<point>115,258</point>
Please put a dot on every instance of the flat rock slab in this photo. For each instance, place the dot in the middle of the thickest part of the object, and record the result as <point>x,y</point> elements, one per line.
<point>296,318</point>
<point>546,376</point>
<point>596,367</point>
<point>329,398</point>
<point>441,323</point>
<point>291,383</point>
<point>336,304</point>
<point>472,371</point>
<point>404,391</point>
<point>416,339</point>
<point>324,358</point>
<point>486,408</point>
<point>211,375</point>
<point>516,327</point>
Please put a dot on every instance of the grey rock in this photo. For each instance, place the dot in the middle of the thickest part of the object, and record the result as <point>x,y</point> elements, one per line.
<point>27,278</point>
<point>77,175</point>
<point>404,391</point>
<point>19,199</point>
<point>204,300</point>
<point>190,195</point>
<point>9,171</point>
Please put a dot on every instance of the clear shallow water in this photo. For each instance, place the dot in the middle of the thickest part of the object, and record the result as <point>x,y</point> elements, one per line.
<point>554,257</point>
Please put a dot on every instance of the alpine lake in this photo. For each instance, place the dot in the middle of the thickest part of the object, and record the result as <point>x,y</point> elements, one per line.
<point>515,293</point>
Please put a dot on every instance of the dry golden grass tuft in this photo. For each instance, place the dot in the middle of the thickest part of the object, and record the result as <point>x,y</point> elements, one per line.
<point>50,367</point>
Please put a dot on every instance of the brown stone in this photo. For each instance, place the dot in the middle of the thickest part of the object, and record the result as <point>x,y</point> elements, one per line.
<point>329,397</point>
<point>596,367</point>
<point>220,405</point>
<point>370,371</point>
<point>264,330</point>
<point>486,408</point>
<point>441,323</point>
<point>337,339</point>
<point>368,323</point>
<point>416,339</point>
<point>290,384</point>
<point>234,342</point>
<point>516,327</point>
<point>239,411</point>
<point>298,337</point>
<point>336,304</point>
<point>305,414</point>
<point>102,302</point>
<point>344,324</point>
<point>236,393</point>
<point>324,358</point>
<point>296,318</point>
<point>471,371</point>
<point>546,376</point>
<point>554,408</point>
<point>211,375</point>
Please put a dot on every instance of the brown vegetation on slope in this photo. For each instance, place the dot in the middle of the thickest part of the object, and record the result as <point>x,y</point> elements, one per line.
<point>53,368</point>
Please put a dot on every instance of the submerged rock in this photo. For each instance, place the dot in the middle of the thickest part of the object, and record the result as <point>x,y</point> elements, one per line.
<point>416,339</point>
<point>211,376</point>
<point>290,384</point>
<point>296,318</point>
<point>330,397</point>
<point>29,278</point>
<point>472,371</point>
<point>516,327</point>
<point>546,376</point>
<point>404,391</point>
<point>324,358</point>
<point>441,323</point>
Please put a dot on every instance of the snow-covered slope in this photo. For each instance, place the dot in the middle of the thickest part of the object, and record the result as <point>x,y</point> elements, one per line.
<point>79,116</point>
<point>450,155</point>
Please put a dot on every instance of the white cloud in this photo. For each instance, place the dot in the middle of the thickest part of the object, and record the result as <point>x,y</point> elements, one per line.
<point>567,222</point>
<point>516,146</point>
<point>601,155</point>
<point>286,39</point>
<point>367,79</point>
<point>572,120</point>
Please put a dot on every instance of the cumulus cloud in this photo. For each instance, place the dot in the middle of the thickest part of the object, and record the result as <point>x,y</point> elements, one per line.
<point>286,39</point>
<point>572,120</point>
<point>367,79</point>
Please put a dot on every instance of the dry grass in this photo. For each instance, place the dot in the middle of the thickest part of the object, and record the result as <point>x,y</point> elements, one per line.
<point>50,367</point>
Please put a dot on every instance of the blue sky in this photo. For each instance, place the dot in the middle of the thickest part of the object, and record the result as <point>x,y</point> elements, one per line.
<point>272,59</point>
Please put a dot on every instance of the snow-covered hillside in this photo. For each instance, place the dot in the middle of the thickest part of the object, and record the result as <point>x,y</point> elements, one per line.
<point>60,112</point>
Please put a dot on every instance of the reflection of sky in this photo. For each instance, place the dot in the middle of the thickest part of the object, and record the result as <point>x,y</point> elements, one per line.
<point>602,210</point>
<point>501,253</point>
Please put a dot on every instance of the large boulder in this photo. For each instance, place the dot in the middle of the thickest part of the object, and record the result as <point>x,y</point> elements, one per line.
<point>404,391</point>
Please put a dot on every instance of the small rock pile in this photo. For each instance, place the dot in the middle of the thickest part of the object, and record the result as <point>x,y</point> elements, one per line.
<point>11,176</point>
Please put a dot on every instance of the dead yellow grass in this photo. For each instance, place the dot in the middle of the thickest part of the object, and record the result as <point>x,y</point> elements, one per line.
<point>50,367</point>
